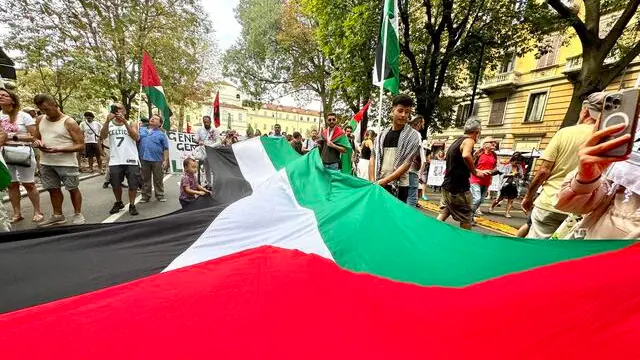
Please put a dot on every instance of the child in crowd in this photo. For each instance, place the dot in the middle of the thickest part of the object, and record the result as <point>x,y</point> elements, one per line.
<point>189,187</point>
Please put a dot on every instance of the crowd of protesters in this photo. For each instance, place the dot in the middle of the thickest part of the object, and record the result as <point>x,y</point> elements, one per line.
<point>577,191</point>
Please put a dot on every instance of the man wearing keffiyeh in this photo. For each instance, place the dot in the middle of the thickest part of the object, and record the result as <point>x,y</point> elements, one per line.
<point>394,150</point>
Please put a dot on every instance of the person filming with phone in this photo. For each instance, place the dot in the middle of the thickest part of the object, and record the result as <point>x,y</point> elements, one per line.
<point>606,185</point>
<point>123,157</point>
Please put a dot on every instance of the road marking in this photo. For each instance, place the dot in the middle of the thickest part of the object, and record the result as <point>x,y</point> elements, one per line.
<point>114,217</point>
<point>480,221</point>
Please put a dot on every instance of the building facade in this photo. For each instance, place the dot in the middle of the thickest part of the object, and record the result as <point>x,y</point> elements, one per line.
<point>235,116</point>
<point>522,105</point>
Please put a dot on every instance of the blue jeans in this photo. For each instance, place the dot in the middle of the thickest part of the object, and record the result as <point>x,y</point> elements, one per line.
<point>332,166</point>
<point>478,193</point>
<point>412,199</point>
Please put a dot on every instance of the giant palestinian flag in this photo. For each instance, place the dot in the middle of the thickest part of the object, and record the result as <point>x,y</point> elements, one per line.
<point>290,260</point>
<point>150,81</point>
<point>386,71</point>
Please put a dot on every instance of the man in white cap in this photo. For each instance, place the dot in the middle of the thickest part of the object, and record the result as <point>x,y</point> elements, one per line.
<point>485,159</point>
<point>559,159</point>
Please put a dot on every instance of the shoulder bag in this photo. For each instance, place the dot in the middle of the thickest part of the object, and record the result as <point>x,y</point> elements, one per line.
<point>18,155</point>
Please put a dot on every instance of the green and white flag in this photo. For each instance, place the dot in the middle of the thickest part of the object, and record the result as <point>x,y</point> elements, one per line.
<point>386,71</point>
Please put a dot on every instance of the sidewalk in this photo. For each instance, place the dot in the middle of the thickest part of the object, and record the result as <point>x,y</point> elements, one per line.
<point>495,221</point>
<point>23,192</point>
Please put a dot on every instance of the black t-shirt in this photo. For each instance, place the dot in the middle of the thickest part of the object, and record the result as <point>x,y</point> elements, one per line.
<point>392,138</point>
<point>456,177</point>
<point>328,154</point>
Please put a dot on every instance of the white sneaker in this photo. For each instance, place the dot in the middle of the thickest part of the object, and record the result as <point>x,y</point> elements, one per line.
<point>479,213</point>
<point>162,199</point>
<point>78,219</point>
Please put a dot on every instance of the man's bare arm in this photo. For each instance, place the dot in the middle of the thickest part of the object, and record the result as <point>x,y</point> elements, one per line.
<point>76,135</point>
<point>542,175</point>
<point>467,155</point>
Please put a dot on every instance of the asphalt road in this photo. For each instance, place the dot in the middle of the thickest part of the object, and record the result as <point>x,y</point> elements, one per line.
<point>96,203</point>
<point>518,216</point>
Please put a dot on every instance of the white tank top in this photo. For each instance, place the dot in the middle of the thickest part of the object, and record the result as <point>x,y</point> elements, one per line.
<point>122,148</point>
<point>54,134</point>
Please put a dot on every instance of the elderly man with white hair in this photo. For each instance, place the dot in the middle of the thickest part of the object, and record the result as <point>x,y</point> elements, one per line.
<point>456,194</point>
<point>484,159</point>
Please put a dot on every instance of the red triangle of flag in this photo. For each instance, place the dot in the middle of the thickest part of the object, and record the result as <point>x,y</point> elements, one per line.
<point>148,74</point>
<point>360,115</point>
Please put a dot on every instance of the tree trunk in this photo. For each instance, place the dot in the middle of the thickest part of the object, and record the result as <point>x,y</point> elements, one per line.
<point>181,118</point>
<point>422,109</point>
<point>125,102</point>
<point>586,83</point>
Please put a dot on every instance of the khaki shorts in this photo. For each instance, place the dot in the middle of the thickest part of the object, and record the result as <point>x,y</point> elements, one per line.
<point>53,176</point>
<point>457,205</point>
<point>544,223</point>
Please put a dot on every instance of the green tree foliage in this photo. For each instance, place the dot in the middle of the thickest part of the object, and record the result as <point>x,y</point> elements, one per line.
<point>620,43</point>
<point>346,32</point>
<point>103,41</point>
<point>439,41</point>
<point>277,53</point>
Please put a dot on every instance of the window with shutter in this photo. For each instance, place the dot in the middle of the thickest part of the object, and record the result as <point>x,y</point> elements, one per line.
<point>464,111</point>
<point>535,109</point>
<point>552,45</point>
<point>508,63</point>
<point>496,116</point>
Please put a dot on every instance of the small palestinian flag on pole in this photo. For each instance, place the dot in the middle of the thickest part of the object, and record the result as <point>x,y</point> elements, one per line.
<point>386,72</point>
<point>216,110</point>
<point>152,86</point>
<point>359,122</point>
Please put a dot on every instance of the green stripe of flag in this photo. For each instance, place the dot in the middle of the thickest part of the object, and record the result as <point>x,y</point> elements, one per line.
<point>156,96</point>
<point>367,230</point>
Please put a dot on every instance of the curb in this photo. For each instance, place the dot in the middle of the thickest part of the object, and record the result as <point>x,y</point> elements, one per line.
<point>480,221</point>
<point>23,193</point>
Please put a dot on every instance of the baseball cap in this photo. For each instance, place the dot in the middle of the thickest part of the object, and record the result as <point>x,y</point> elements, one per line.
<point>488,139</point>
<point>594,102</point>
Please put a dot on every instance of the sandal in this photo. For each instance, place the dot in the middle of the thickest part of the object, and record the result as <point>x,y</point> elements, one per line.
<point>37,218</point>
<point>16,218</point>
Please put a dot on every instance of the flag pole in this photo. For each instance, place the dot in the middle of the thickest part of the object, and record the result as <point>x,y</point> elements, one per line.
<point>385,19</point>
<point>139,107</point>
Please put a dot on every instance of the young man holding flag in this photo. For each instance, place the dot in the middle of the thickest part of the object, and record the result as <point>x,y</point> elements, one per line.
<point>330,152</point>
<point>395,149</point>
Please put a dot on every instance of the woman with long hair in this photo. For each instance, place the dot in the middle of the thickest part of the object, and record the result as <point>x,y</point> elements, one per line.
<point>20,127</point>
<point>365,155</point>
<point>509,190</point>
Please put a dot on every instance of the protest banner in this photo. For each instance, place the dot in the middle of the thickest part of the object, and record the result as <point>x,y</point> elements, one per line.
<point>436,172</point>
<point>181,145</point>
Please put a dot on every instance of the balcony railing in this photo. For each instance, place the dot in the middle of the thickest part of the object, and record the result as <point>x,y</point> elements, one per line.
<point>507,79</point>
<point>574,63</point>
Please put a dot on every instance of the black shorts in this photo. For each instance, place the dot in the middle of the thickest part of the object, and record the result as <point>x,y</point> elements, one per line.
<point>402,192</point>
<point>118,173</point>
<point>509,191</point>
<point>91,149</point>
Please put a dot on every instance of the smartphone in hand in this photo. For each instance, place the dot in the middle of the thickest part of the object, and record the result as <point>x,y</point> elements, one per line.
<point>620,107</point>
